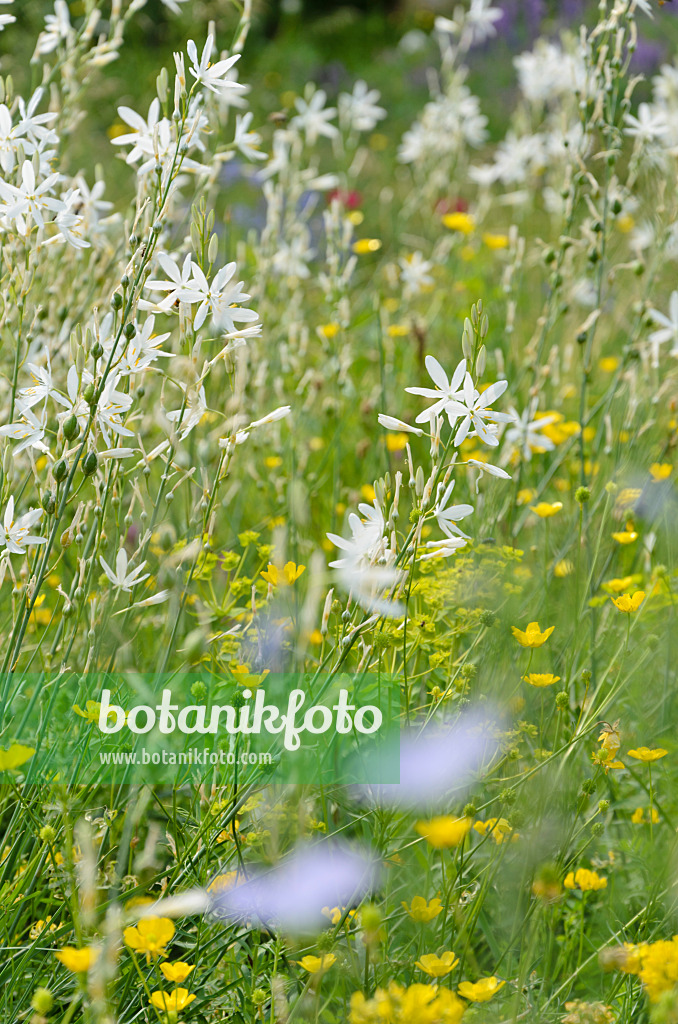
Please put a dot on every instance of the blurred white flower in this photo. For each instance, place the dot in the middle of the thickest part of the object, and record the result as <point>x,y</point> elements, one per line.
<point>525,434</point>
<point>359,110</point>
<point>313,117</point>
<point>415,273</point>
<point>648,126</point>
<point>448,515</point>
<point>6,19</point>
<point>57,28</point>
<point>668,325</point>
<point>245,141</point>
<point>120,577</point>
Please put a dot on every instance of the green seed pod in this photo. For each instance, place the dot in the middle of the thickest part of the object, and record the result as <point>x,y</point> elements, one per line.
<point>60,470</point>
<point>89,393</point>
<point>116,300</point>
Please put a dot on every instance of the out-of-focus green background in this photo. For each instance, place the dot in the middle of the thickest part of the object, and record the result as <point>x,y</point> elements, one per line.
<point>292,42</point>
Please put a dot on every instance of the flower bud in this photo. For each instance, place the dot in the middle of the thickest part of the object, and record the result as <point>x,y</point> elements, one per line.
<point>42,1000</point>
<point>71,428</point>
<point>90,463</point>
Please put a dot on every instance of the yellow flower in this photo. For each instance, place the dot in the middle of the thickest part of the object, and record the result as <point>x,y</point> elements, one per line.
<point>335,914</point>
<point>329,330</point>
<point>541,679</point>
<point>638,816</point>
<point>444,831</point>
<point>629,602</point>
<point>172,1002</point>
<point>495,241</point>
<point>77,960</point>
<point>437,966</point>
<point>284,577</point>
<point>617,585</point>
<point>15,757</point>
<point>480,991</point>
<point>365,245</point>
<point>626,536</point>
<point>647,755</point>
<point>420,910</point>
<point>177,971</point>
<point>546,509</point>
<point>610,739</point>
<point>458,221</point>
<point>150,936</point>
<point>563,568</point>
<point>587,881</point>
<point>314,964</point>
<point>499,829</point>
<point>660,471</point>
<point>532,636</point>
<point>608,364</point>
<point>396,442</point>
<point>398,331</point>
<point>525,494</point>
<point>272,461</point>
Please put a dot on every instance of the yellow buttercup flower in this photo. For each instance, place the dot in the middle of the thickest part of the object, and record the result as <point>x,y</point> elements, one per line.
<point>150,936</point>
<point>437,966</point>
<point>365,245</point>
<point>314,964</point>
<point>629,602</point>
<point>177,971</point>
<point>329,330</point>
<point>541,679</point>
<point>172,1002</point>
<point>587,881</point>
<point>421,911</point>
<point>15,756</point>
<point>532,636</point>
<point>495,241</point>
<point>77,960</point>
<point>626,536</point>
<point>480,991</point>
<point>564,567</point>
<point>647,755</point>
<point>660,471</point>
<point>284,577</point>
<point>444,831</point>
<point>525,494</point>
<point>396,442</point>
<point>398,330</point>
<point>459,221</point>
<point>546,509</point>
<point>608,364</point>
<point>617,585</point>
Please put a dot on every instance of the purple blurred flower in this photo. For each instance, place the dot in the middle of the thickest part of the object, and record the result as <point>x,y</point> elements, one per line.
<point>291,895</point>
<point>438,761</point>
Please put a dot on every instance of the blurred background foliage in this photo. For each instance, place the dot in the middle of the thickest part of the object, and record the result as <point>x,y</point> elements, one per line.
<point>329,42</point>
